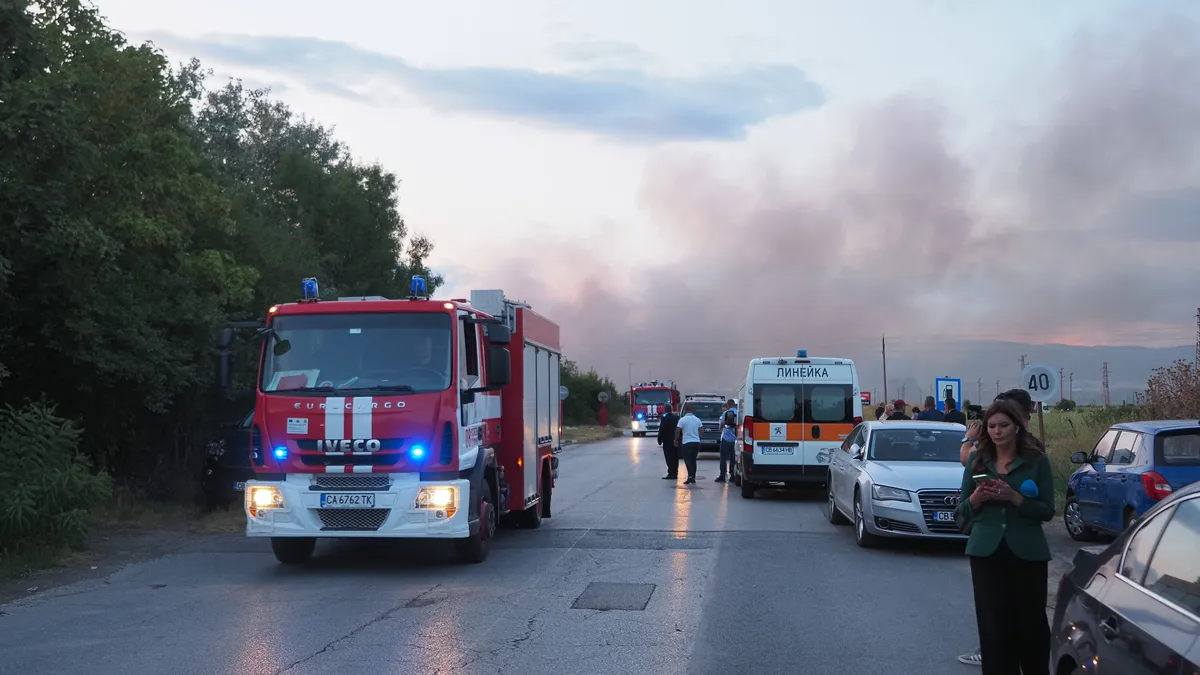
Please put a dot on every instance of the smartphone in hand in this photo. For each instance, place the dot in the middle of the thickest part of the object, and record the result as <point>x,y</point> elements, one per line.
<point>981,478</point>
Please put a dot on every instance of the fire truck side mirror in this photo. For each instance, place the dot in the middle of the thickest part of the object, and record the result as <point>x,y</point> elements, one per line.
<point>499,366</point>
<point>499,334</point>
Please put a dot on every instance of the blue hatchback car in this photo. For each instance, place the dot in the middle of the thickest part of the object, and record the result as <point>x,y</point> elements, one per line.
<point>1132,467</point>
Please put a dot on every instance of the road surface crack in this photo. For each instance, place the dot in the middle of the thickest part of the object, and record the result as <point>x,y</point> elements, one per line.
<point>332,646</point>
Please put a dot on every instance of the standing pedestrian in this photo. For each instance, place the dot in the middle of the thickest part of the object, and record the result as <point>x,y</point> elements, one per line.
<point>898,410</point>
<point>970,442</point>
<point>953,414</point>
<point>1007,547</point>
<point>728,436</point>
<point>666,438</point>
<point>687,434</point>
<point>930,413</point>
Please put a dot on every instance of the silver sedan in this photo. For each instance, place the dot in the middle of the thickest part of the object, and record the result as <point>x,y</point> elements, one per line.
<point>897,478</point>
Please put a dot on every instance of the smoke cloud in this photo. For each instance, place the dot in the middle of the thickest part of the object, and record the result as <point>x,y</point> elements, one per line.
<point>1082,225</point>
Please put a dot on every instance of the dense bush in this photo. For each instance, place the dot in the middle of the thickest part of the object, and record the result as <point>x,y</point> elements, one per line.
<point>1173,392</point>
<point>46,486</point>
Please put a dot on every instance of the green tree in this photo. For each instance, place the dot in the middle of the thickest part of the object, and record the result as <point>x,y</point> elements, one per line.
<point>139,212</point>
<point>582,405</point>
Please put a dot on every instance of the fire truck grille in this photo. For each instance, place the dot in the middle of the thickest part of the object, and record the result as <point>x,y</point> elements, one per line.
<point>351,482</point>
<point>343,520</point>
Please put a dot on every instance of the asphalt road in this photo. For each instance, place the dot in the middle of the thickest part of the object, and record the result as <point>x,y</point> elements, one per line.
<point>688,579</point>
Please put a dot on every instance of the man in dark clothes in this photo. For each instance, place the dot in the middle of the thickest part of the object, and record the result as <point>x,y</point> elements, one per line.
<point>666,438</point>
<point>930,413</point>
<point>953,414</point>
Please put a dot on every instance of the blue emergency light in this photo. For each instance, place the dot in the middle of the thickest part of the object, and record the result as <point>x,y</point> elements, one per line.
<point>801,353</point>
<point>308,289</point>
<point>640,416</point>
<point>417,452</point>
<point>281,453</point>
<point>417,287</point>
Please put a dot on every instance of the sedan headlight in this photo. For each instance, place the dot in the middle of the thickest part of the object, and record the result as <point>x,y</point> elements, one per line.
<point>883,493</point>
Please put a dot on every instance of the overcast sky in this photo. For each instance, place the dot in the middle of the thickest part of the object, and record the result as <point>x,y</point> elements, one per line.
<point>687,183</point>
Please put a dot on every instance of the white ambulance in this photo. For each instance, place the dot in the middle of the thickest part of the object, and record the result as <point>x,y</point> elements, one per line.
<point>795,413</point>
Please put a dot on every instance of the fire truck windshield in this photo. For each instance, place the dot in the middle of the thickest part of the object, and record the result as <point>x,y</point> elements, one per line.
<point>402,352</point>
<point>651,396</point>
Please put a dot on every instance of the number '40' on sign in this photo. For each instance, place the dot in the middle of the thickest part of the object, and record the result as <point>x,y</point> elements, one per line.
<point>1040,381</point>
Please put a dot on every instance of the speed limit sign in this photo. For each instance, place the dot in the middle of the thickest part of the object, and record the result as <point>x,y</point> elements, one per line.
<point>1040,381</point>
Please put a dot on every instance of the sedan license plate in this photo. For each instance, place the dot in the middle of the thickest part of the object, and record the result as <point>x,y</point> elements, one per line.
<point>943,516</point>
<point>239,486</point>
<point>777,449</point>
<point>347,500</point>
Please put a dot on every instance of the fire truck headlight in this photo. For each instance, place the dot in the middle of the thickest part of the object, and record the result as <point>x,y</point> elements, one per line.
<point>635,425</point>
<point>261,498</point>
<point>437,497</point>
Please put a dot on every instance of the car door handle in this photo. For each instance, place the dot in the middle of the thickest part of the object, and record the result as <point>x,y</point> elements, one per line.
<point>1109,627</point>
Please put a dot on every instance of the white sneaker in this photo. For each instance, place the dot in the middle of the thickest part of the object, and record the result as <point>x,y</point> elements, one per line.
<point>971,658</point>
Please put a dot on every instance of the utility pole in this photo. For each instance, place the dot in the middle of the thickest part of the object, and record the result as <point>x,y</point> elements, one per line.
<point>997,388</point>
<point>1104,391</point>
<point>979,384</point>
<point>1023,357</point>
<point>1196,363</point>
<point>1071,380</point>
<point>631,376</point>
<point>1060,387</point>
<point>884,344</point>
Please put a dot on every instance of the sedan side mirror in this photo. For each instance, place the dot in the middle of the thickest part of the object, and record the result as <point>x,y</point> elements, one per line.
<point>1079,457</point>
<point>856,451</point>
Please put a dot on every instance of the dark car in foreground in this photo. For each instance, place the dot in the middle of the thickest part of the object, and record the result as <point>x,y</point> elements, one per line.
<point>227,464</point>
<point>1133,607</point>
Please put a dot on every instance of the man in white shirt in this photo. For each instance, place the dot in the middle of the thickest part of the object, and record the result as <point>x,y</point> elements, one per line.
<point>687,436</point>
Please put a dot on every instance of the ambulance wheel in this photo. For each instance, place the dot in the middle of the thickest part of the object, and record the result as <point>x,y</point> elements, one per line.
<point>293,550</point>
<point>475,548</point>
<point>748,489</point>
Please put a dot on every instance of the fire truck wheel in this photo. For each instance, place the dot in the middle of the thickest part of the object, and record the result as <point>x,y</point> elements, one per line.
<point>293,550</point>
<point>531,518</point>
<point>475,549</point>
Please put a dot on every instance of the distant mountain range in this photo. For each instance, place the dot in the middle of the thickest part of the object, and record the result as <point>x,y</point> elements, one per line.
<point>981,363</point>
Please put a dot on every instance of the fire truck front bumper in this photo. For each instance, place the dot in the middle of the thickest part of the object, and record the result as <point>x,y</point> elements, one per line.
<point>644,425</point>
<point>358,506</point>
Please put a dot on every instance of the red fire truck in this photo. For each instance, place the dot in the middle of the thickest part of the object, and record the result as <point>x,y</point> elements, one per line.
<point>414,418</point>
<point>646,401</point>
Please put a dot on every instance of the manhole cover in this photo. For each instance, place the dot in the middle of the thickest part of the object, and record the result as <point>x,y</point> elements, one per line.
<point>605,596</point>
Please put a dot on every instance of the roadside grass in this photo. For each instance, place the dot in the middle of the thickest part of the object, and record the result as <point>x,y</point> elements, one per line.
<point>127,511</point>
<point>590,434</point>
<point>1067,432</point>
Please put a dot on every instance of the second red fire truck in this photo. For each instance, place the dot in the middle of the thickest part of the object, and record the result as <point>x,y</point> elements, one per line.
<point>646,401</point>
<point>414,418</point>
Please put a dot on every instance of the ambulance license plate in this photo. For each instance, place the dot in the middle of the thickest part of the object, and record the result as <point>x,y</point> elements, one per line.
<point>347,500</point>
<point>776,449</point>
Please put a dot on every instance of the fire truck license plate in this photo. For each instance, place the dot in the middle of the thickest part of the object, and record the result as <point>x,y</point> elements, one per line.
<point>347,500</point>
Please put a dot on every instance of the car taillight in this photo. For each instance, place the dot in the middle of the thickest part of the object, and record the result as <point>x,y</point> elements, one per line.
<point>748,429</point>
<point>1155,485</point>
<point>857,419</point>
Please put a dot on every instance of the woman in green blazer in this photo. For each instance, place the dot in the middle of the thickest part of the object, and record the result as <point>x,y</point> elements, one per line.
<point>1007,493</point>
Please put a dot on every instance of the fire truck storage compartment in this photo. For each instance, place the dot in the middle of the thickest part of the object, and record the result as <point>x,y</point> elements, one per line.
<point>535,393</point>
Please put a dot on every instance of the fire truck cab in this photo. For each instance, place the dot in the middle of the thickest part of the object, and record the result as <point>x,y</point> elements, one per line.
<point>413,418</point>
<point>646,402</point>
